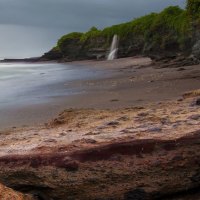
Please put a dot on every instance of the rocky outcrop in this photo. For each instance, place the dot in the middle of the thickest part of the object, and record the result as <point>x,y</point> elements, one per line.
<point>196,47</point>
<point>177,58</point>
<point>126,170</point>
<point>35,59</point>
<point>170,34</point>
<point>53,54</point>
<point>126,154</point>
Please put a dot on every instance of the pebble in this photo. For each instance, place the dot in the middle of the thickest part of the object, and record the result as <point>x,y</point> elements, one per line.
<point>155,129</point>
<point>194,117</point>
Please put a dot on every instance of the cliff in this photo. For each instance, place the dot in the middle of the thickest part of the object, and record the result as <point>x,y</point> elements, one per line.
<point>168,34</point>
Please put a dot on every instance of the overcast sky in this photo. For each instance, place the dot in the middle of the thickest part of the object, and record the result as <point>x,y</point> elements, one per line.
<point>31,27</point>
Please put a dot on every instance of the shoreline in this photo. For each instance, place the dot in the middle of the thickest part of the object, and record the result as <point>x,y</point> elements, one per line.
<point>129,82</point>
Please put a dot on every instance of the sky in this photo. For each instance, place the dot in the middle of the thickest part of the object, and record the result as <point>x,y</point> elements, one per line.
<point>28,28</point>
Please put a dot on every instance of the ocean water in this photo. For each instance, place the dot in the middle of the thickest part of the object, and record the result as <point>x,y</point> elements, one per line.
<point>23,84</point>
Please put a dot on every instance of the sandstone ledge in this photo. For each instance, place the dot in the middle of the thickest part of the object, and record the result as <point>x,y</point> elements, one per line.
<point>138,169</point>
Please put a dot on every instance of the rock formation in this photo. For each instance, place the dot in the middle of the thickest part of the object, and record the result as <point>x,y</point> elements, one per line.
<point>171,34</point>
<point>127,170</point>
<point>128,154</point>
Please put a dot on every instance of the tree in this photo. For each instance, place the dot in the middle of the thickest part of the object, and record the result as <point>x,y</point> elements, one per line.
<point>93,29</point>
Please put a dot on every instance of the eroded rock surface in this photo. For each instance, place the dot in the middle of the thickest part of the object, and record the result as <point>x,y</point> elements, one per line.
<point>134,153</point>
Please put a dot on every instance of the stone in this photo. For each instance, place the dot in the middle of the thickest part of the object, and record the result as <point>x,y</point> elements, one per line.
<point>195,117</point>
<point>155,129</point>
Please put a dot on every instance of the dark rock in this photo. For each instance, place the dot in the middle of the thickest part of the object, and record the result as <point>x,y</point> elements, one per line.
<point>137,194</point>
<point>143,114</point>
<point>113,123</point>
<point>72,166</point>
<point>155,129</point>
<point>53,54</point>
<point>181,99</point>
<point>114,100</point>
<point>181,69</point>
<point>198,102</point>
<point>89,141</point>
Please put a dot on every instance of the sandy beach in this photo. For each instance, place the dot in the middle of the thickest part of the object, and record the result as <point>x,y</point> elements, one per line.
<point>133,132</point>
<point>126,82</point>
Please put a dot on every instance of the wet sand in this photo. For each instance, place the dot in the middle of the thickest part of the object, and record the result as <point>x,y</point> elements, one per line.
<point>128,82</point>
<point>77,128</point>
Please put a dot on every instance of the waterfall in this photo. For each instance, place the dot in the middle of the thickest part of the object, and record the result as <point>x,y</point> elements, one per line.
<point>114,48</point>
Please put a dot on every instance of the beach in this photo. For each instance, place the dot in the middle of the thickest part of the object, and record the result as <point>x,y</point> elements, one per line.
<point>121,83</point>
<point>131,131</point>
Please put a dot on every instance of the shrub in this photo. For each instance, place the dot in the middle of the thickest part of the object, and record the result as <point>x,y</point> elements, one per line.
<point>193,8</point>
<point>66,38</point>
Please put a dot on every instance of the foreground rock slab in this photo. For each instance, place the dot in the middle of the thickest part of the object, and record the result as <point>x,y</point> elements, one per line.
<point>137,169</point>
<point>129,154</point>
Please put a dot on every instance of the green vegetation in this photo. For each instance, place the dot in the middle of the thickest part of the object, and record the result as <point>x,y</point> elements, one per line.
<point>92,33</point>
<point>67,38</point>
<point>193,8</point>
<point>169,31</point>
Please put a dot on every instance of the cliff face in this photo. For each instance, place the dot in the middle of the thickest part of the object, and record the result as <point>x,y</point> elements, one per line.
<point>168,34</point>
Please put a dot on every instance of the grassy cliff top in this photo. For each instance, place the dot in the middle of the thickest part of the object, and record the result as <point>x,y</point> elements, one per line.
<point>171,27</point>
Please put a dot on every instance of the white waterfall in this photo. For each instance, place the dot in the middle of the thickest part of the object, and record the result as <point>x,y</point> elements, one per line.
<point>114,48</point>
